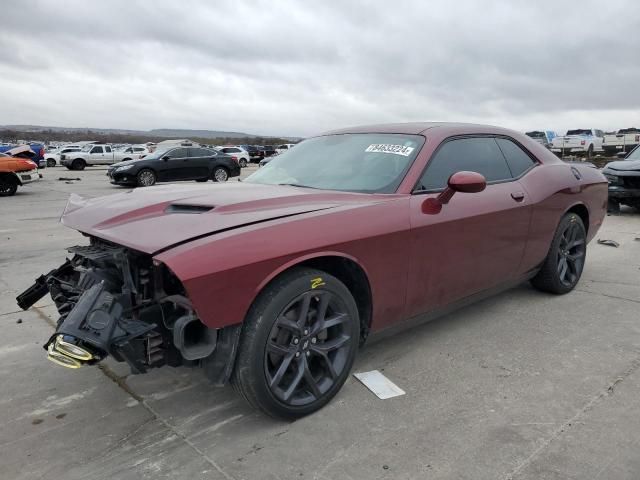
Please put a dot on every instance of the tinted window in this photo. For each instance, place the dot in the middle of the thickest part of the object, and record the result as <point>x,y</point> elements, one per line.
<point>480,155</point>
<point>107,149</point>
<point>231,150</point>
<point>137,149</point>
<point>518,161</point>
<point>96,150</point>
<point>177,153</point>
<point>201,152</point>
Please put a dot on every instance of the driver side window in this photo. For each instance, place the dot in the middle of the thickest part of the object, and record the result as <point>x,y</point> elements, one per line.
<point>476,154</point>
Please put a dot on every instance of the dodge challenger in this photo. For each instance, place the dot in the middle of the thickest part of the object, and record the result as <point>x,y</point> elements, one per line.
<point>272,284</point>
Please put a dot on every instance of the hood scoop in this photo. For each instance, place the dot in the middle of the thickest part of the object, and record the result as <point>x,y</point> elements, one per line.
<point>186,208</point>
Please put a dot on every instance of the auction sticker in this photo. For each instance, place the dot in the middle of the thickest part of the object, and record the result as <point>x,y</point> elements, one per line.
<point>389,148</point>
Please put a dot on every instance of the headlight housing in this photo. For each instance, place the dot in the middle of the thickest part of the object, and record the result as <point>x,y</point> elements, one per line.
<point>123,168</point>
<point>613,179</point>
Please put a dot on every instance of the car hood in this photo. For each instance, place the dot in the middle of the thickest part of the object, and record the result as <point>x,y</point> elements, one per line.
<point>624,165</point>
<point>122,164</point>
<point>157,218</point>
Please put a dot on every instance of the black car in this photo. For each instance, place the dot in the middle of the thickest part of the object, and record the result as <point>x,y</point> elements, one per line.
<point>624,181</point>
<point>254,153</point>
<point>269,150</point>
<point>175,164</point>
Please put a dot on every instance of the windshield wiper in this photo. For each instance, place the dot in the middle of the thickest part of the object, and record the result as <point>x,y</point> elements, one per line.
<point>296,185</point>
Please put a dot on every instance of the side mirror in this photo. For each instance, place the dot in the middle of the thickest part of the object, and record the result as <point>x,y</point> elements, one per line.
<point>464,182</point>
<point>165,158</point>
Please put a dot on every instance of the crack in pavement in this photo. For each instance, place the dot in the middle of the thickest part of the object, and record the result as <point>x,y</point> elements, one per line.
<point>607,295</point>
<point>607,392</point>
<point>119,381</point>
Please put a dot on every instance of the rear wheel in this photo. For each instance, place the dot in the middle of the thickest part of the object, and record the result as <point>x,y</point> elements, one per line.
<point>590,151</point>
<point>563,266</point>
<point>243,163</point>
<point>220,174</point>
<point>51,162</point>
<point>146,178</point>
<point>8,186</point>
<point>298,344</point>
<point>78,164</point>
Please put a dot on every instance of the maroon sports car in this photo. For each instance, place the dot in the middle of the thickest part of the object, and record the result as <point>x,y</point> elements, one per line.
<point>273,283</point>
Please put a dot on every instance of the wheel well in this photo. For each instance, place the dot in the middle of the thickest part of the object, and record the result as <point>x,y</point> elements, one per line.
<point>12,177</point>
<point>355,279</point>
<point>583,213</point>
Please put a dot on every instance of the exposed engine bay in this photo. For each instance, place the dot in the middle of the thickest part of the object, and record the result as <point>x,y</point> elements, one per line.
<point>118,302</point>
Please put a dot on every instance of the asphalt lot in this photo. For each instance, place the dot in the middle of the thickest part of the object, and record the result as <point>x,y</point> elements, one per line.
<point>523,385</point>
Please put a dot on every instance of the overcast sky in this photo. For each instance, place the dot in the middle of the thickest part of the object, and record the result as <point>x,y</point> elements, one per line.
<point>299,67</point>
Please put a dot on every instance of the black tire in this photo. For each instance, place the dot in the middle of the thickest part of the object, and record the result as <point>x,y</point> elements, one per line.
<point>78,164</point>
<point>243,163</point>
<point>146,178</point>
<point>590,151</point>
<point>270,354</point>
<point>564,263</point>
<point>220,174</point>
<point>51,162</point>
<point>8,186</point>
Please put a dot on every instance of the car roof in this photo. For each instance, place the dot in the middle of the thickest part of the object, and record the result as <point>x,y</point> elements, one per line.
<point>417,128</point>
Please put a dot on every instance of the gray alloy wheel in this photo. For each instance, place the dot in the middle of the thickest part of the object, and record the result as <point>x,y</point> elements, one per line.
<point>220,174</point>
<point>243,163</point>
<point>298,344</point>
<point>8,186</point>
<point>51,162</point>
<point>146,178</point>
<point>563,266</point>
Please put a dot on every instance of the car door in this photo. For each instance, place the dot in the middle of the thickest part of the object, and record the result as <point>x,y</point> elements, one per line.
<point>474,242</point>
<point>96,155</point>
<point>173,165</point>
<point>198,164</point>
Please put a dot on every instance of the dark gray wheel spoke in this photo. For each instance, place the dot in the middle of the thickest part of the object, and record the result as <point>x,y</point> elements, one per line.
<point>282,369</point>
<point>574,257</point>
<point>562,268</point>
<point>576,243</point>
<point>281,350</point>
<point>296,380</point>
<point>311,382</point>
<point>303,313</point>
<point>329,346</point>
<point>290,325</point>
<point>327,363</point>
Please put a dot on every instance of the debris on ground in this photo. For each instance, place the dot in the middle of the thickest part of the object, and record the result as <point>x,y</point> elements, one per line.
<point>609,243</point>
<point>380,385</point>
<point>69,179</point>
<point>19,320</point>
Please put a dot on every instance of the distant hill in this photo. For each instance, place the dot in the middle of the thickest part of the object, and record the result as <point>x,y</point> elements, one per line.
<point>158,132</point>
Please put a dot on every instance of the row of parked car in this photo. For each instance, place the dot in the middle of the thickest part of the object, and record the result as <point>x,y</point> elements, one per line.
<point>588,141</point>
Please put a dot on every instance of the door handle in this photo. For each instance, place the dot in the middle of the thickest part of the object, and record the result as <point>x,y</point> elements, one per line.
<point>517,196</point>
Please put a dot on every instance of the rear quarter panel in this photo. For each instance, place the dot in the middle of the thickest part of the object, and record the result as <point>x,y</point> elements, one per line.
<point>554,189</point>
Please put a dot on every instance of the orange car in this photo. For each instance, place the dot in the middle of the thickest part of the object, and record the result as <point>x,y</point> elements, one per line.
<point>16,171</point>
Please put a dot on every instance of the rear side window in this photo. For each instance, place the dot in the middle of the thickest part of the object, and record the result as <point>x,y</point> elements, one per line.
<point>480,154</point>
<point>107,149</point>
<point>518,161</point>
<point>201,152</point>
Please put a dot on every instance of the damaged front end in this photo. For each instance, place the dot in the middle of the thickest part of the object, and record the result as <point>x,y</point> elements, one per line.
<point>119,302</point>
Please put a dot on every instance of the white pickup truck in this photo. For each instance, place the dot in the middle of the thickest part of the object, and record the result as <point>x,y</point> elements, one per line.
<point>624,141</point>
<point>579,142</point>
<point>100,155</point>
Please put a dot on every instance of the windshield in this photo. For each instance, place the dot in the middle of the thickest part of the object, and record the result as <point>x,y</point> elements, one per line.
<point>365,162</point>
<point>579,132</point>
<point>634,155</point>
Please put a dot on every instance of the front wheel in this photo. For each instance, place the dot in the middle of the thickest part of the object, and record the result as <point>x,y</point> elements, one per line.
<point>563,266</point>
<point>8,186</point>
<point>51,162</point>
<point>298,344</point>
<point>78,164</point>
<point>146,178</point>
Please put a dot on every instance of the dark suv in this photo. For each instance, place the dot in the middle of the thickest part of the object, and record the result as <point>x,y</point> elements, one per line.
<point>175,164</point>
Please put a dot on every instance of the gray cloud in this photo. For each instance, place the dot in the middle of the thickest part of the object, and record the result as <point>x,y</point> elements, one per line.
<point>296,68</point>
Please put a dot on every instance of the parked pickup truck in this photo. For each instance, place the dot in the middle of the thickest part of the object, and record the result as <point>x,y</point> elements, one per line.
<point>99,155</point>
<point>624,141</point>
<point>543,137</point>
<point>579,142</point>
